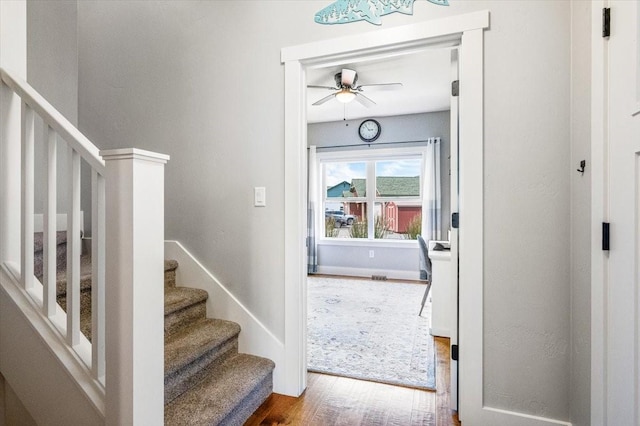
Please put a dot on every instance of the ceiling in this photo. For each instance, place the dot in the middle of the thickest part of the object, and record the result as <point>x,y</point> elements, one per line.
<point>425,78</point>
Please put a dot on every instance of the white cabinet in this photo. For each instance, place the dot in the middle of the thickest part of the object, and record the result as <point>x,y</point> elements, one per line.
<point>442,308</point>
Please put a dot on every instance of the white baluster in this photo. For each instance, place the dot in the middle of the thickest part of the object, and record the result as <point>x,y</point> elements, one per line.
<point>73,249</point>
<point>10,172</point>
<point>97,275</point>
<point>49,225</point>
<point>26,263</point>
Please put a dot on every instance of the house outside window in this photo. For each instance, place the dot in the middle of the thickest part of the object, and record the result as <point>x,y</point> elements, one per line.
<point>376,198</point>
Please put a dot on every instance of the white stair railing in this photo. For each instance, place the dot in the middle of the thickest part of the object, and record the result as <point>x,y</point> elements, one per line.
<point>127,236</point>
<point>79,148</point>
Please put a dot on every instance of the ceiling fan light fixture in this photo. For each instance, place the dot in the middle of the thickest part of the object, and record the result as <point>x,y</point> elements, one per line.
<point>345,96</point>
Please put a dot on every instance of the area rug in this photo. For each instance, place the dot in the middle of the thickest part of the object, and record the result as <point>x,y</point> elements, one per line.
<point>370,330</point>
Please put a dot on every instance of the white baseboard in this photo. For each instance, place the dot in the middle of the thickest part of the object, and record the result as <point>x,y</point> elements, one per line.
<point>254,338</point>
<point>439,332</point>
<point>367,273</point>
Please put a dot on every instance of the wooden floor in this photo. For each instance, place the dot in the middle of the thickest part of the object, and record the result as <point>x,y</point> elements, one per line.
<point>331,400</point>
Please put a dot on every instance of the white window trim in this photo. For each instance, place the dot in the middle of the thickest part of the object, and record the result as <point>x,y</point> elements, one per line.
<point>365,157</point>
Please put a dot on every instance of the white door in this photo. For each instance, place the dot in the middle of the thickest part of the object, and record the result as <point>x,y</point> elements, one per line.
<point>454,170</point>
<point>616,365</point>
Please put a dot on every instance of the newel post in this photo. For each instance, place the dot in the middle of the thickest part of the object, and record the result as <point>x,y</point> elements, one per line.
<point>134,299</point>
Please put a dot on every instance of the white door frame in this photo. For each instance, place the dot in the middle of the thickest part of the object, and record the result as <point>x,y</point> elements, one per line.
<point>601,397</point>
<point>465,31</point>
<point>599,214</point>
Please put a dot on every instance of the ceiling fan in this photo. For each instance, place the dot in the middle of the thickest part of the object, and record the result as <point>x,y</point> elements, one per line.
<point>347,89</point>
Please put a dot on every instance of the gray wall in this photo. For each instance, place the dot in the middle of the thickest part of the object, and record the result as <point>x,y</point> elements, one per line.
<point>52,69</point>
<point>526,222</point>
<point>404,128</point>
<point>202,81</point>
<point>580,215</point>
<point>52,53</point>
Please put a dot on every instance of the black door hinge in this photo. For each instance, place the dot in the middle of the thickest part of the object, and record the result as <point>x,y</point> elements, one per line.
<point>605,236</point>
<point>455,88</point>
<point>455,220</point>
<point>606,22</point>
<point>454,352</point>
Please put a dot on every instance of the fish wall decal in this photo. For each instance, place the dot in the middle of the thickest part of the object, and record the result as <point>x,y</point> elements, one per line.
<point>345,11</point>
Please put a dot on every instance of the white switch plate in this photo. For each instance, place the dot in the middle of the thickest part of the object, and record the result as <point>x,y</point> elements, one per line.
<point>371,253</point>
<point>260,196</point>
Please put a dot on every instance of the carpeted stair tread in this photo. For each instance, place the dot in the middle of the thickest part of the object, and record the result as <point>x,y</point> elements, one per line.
<point>207,382</point>
<point>170,265</point>
<point>178,298</point>
<point>85,276</point>
<point>195,340</point>
<point>236,385</point>
<point>38,240</point>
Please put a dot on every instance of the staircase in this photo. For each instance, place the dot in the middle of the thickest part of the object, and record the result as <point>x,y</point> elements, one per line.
<point>206,380</point>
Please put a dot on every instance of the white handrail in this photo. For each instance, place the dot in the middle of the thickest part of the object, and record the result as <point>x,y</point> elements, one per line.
<point>78,148</point>
<point>55,119</point>
<point>126,257</point>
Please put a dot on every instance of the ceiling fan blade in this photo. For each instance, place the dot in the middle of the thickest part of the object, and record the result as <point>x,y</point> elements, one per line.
<point>364,100</point>
<point>325,99</point>
<point>348,77</point>
<point>381,86</point>
<point>311,86</point>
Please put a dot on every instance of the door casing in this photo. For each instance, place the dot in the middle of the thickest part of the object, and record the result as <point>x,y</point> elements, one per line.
<point>467,32</point>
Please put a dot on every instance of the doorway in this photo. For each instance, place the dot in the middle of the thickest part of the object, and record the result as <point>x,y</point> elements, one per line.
<point>383,183</point>
<point>465,31</point>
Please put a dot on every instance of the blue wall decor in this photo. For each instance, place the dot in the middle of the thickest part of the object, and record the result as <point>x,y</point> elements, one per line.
<point>345,11</point>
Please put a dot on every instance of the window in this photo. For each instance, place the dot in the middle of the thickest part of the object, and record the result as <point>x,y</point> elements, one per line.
<point>376,198</point>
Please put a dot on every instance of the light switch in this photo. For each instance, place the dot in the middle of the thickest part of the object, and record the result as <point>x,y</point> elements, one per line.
<point>260,196</point>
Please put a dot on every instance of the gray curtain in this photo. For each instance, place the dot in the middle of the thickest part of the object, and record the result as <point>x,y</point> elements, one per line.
<point>312,257</point>
<point>312,182</point>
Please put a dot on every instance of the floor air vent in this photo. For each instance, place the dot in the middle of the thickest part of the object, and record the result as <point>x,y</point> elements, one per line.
<point>379,277</point>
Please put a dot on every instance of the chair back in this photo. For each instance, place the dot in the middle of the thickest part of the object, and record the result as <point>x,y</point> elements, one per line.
<point>425,262</point>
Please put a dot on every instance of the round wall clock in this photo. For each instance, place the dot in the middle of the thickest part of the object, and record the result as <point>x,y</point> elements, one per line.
<point>369,130</point>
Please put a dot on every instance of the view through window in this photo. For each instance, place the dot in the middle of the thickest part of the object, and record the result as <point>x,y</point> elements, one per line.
<point>379,198</point>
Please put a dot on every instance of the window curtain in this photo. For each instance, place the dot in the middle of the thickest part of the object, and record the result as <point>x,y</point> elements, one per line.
<point>432,197</point>
<point>312,191</point>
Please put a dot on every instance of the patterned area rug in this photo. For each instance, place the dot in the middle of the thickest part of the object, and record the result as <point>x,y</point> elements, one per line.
<point>370,330</point>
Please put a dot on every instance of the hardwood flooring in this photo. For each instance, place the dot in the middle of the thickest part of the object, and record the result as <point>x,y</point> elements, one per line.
<point>331,400</point>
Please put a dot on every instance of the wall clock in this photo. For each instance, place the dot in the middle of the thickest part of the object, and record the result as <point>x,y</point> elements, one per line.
<point>369,130</point>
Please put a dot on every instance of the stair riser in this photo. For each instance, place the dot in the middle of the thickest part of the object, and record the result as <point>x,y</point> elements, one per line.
<point>170,279</point>
<point>85,311</point>
<point>61,260</point>
<point>176,320</point>
<point>183,379</point>
<point>250,404</point>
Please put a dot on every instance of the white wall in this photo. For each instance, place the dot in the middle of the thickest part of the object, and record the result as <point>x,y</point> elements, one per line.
<point>202,81</point>
<point>580,385</point>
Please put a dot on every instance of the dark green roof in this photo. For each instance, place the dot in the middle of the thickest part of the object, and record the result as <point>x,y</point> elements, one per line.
<point>387,186</point>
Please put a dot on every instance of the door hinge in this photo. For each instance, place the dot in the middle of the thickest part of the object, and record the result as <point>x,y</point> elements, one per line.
<point>605,236</point>
<point>455,220</point>
<point>606,21</point>
<point>454,352</point>
<point>455,88</point>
